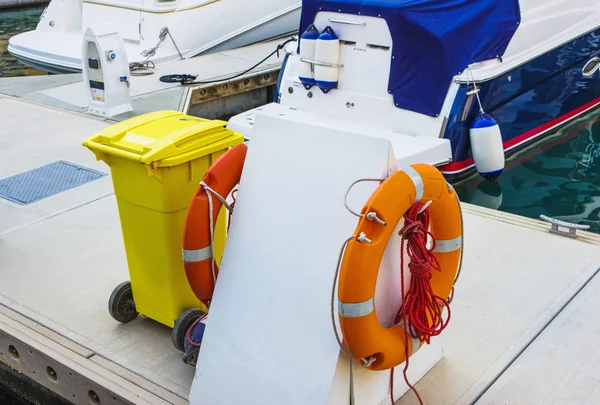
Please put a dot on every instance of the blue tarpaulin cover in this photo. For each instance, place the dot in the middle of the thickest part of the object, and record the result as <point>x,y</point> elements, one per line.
<point>433,40</point>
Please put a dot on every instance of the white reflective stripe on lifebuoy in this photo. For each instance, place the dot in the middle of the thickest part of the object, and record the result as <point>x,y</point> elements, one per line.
<point>416,343</point>
<point>355,310</point>
<point>448,245</point>
<point>417,181</point>
<point>197,255</point>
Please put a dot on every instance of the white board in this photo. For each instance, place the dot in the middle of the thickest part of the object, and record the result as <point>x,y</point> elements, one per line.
<point>270,340</point>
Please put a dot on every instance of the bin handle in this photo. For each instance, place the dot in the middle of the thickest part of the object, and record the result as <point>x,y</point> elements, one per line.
<point>183,141</point>
<point>186,139</point>
<point>110,150</point>
<point>117,130</point>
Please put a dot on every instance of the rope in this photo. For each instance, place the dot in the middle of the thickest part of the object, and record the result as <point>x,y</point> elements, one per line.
<point>174,43</point>
<point>366,362</point>
<point>335,278</point>
<point>186,79</point>
<point>351,387</point>
<point>422,310</point>
<point>207,188</point>
<point>178,78</point>
<point>475,89</point>
<point>335,331</point>
<point>142,68</point>
<point>210,193</point>
<point>421,306</point>
<point>233,197</point>
<point>162,35</point>
<point>146,67</point>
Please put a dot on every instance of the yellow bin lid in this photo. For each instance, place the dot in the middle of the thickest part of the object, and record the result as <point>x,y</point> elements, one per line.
<point>163,138</point>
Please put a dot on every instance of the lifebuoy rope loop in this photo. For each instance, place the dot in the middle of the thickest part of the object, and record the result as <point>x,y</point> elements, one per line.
<point>210,193</point>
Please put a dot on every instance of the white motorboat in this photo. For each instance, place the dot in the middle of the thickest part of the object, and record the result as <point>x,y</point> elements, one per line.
<point>158,30</point>
<point>410,67</point>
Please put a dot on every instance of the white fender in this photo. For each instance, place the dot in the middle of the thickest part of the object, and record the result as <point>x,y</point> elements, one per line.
<point>308,44</point>
<point>487,147</point>
<point>327,51</point>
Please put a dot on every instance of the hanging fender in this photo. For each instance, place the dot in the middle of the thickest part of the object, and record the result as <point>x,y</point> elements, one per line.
<point>327,54</point>
<point>197,250</point>
<point>308,43</point>
<point>487,146</point>
<point>378,347</point>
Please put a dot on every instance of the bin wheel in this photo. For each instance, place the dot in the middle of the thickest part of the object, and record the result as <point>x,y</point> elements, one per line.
<point>121,305</point>
<point>182,325</point>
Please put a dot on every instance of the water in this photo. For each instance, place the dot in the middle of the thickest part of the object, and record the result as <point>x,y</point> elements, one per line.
<point>13,22</point>
<point>559,178</point>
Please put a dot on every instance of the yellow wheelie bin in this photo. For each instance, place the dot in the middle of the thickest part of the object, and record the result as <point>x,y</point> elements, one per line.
<point>157,161</point>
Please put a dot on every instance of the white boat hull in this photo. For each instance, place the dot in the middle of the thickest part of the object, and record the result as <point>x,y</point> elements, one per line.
<point>59,50</point>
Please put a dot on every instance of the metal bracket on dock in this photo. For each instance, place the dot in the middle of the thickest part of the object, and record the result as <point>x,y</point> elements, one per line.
<point>556,223</point>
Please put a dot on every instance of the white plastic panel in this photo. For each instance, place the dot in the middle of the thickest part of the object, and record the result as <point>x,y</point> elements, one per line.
<point>270,340</point>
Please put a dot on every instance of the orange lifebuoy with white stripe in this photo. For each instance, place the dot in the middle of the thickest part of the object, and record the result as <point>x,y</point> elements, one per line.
<point>197,252</point>
<point>378,347</point>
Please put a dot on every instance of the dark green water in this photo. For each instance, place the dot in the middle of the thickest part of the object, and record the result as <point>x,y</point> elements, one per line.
<point>13,22</point>
<point>559,177</point>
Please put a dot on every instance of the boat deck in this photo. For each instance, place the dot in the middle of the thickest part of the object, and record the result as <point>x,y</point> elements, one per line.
<point>523,298</point>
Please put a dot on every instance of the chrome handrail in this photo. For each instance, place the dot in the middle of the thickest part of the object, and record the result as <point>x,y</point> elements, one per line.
<point>314,62</point>
<point>334,20</point>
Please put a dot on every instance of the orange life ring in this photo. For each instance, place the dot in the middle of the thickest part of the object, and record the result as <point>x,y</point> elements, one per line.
<point>197,250</point>
<point>378,347</point>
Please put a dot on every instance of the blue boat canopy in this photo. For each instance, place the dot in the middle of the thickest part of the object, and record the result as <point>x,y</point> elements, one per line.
<point>433,40</point>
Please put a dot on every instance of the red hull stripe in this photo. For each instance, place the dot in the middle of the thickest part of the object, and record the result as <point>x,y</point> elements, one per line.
<point>453,168</point>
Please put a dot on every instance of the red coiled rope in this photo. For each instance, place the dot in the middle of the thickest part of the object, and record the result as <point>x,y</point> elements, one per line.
<point>422,310</point>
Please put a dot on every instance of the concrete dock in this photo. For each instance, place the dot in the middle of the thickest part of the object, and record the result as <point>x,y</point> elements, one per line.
<point>523,298</point>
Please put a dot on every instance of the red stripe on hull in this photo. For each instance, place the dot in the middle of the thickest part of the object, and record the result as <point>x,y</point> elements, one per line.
<point>453,168</point>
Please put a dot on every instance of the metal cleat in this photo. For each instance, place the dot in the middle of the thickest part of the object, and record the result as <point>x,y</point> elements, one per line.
<point>556,223</point>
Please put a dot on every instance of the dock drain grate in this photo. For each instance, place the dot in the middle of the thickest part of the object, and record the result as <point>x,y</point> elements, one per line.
<point>37,184</point>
